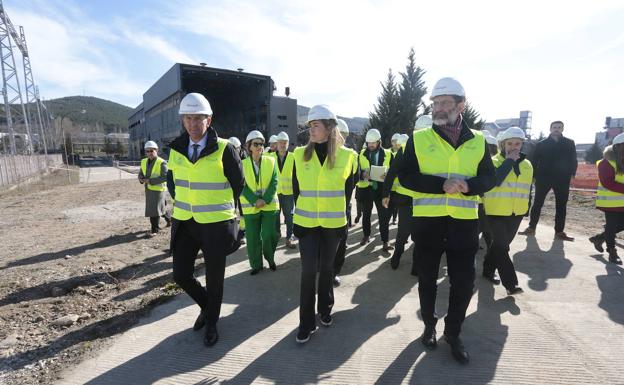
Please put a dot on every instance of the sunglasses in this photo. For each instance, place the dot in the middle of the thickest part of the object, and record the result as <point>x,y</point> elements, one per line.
<point>257,144</point>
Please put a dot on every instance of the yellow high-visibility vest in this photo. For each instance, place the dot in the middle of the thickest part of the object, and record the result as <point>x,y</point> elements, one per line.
<point>607,198</point>
<point>437,157</point>
<point>267,166</point>
<point>512,196</point>
<point>355,157</point>
<point>284,184</point>
<point>365,165</point>
<point>322,200</point>
<point>202,191</point>
<point>396,185</point>
<point>155,171</point>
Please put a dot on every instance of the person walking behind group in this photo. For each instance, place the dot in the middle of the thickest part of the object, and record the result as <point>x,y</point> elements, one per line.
<point>343,129</point>
<point>205,179</point>
<point>395,142</point>
<point>447,167</point>
<point>153,175</point>
<point>506,204</point>
<point>322,185</point>
<point>234,141</point>
<point>610,197</point>
<point>285,162</point>
<point>370,190</point>
<point>489,265</point>
<point>260,203</point>
<point>554,162</point>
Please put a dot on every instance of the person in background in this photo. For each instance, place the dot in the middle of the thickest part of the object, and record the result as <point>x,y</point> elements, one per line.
<point>322,186</point>
<point>241,219</point>
<point>610,197</point>
<point>205,179</point>
<point>554,162</point>
<point>371,190</point>
<point>285,162</point>
<point>343,129</point>
<point>153,175</point>
<point>260,203</point>
<point>505,206</point>
<point>489,264</point>
<point>272,144</point>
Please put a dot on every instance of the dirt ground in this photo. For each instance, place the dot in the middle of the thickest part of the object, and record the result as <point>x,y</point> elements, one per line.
<point>77,267</point>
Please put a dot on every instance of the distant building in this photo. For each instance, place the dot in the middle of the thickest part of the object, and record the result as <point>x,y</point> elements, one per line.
<point>524,121</point>
<point>611,129</point>
<point>241,102</point>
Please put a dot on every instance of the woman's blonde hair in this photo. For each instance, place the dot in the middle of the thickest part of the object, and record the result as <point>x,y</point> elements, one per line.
<point>334,142</point>
<point>618,152</point>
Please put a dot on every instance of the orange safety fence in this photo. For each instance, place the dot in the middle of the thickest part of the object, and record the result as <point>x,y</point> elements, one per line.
<point>586,177</point>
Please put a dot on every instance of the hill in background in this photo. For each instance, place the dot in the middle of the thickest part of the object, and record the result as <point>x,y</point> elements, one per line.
<point>89,114</point>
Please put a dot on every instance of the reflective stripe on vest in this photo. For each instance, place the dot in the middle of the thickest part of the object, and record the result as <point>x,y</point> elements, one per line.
<point>202,190</point>
<point>157,166</point>
<point>610,199</point>
<point>322,201</point>
<point>396,185</point>
<point>512,196</point>
<point>437,157</point>
<point>267,167</point>
<point>365,165</point>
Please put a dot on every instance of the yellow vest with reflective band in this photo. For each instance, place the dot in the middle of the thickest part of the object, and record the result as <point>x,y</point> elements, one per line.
<point>267,166</point>
<point>437,157</point>
<point>396,185</point>
<point>365,165</point>
<point>512,196</point>
<point>322,200</point>
<point>607,198</point>
<point>202,191</point>
<point>355,158</point>
<point>155,171</point>
<point>284,184</point>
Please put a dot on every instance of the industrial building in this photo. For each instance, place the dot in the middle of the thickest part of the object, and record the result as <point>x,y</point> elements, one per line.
<point>240,101</point>
<point>524,121</point>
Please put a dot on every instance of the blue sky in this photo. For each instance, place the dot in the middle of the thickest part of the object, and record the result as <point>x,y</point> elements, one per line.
<point>563,60</point>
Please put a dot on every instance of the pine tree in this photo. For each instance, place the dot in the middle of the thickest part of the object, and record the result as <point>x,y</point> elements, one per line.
<point>385,118</point>
<point>593,154</point>
<point>472,118</point>
<point>411,91</point>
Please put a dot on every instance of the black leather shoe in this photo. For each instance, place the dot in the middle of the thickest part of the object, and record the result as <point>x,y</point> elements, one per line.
<point>272,266</point>
<point>200,322</point>
<point>597,240</point>
<point>394,262</point>
<point>429,337</point>
<point>457,349</point>
<point>254,271</point>
<point>492,278</point>
<point>515,290</point>
<point>212,336</point>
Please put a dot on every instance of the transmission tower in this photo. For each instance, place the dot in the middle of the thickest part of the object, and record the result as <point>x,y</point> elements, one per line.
<point>10,82</point>
<point>31,92</point>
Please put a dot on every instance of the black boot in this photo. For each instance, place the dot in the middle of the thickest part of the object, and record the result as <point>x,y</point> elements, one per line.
<point>457,349</point>
<point>597,240</point>
<point>614,257</point>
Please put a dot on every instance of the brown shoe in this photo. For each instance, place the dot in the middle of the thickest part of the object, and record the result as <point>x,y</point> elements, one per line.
<point>290,244</point>
<point>563,236</point>
<point>387,247</point>
<point>364,241</point>
<point>527,231</point>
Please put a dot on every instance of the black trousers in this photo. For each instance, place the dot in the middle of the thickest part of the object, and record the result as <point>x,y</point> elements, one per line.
<point>561,188</point>
<point>614,224</point>
<point>489,264</point>
<point>503,230</point>
<point>370,197</point>
<point>459,239</point>
<point>215,241</point>
<point>318,248</point>
<point>404,230</point>
<point>155,221</point>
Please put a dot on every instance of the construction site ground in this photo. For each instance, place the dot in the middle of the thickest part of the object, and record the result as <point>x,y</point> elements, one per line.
<point>87,297</point>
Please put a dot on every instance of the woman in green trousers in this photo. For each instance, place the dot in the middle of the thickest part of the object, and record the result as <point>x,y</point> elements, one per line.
<point>260,204</point>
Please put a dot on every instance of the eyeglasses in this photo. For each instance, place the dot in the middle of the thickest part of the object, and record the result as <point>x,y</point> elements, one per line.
<point>257,144</point>
<point>444,103</point>
<point>150,150</point>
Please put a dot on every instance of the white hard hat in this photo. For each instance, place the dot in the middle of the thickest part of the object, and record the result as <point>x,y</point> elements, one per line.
<point>499,136</point>
<point>342,126</point>
<point>373,135</point>
<point>150,144</point>
<point>255,134</point>
<point>424,121</point>
<point>272,139</point>
<point>319,112</point>
<point>234,141</point>
<point>512,133</point>
<point>618,139</point>
<point>447,86</point>
<point>195,103</point>
<point>404,138</point>
<point>396,136</point>
<point>489,138</point>
<point>283,136</point>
